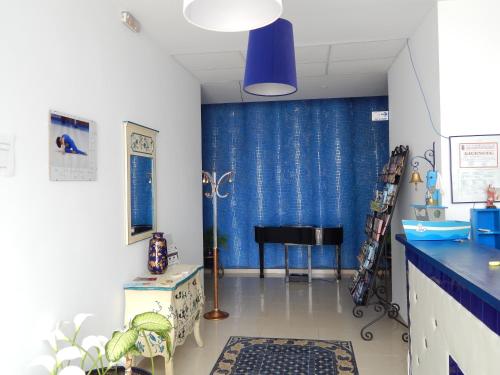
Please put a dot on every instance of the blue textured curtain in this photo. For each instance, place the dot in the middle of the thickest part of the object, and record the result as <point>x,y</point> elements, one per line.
<point>311,162</point>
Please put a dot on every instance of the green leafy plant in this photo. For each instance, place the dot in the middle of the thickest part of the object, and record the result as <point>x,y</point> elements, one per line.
<point>71,357</point>
<point>208,239</point>
<point>124,344</point>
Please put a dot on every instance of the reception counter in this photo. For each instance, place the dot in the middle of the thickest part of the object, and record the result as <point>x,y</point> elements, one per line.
<point>454,307</point>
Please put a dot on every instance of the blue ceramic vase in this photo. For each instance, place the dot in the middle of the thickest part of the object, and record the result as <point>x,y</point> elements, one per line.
<point>157,260</point>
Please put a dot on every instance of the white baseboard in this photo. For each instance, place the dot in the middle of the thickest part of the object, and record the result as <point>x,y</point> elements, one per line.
<point>280,272</point>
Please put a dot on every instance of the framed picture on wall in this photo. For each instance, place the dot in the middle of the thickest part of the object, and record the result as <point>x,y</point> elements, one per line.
<point>140,155</point>
<point>474,165</point>
<point>72,148</point>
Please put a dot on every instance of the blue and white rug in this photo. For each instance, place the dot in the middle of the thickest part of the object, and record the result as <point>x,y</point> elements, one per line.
<point>278,356</point>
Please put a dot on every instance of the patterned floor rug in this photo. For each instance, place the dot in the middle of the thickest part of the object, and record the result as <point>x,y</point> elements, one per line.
<point>265,356</point>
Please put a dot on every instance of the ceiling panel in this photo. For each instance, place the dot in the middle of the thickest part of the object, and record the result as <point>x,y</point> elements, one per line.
<point>219,75</point>
<point>227,92</point>
<point>366,50</point>
<point>312,54</point>
<point>355,29</point>
<point>314,22</point>
<point>308,54</point>
<point>360,66</point>
<point>213,60</point>
<point>311,70</point>
<point>344,86</point>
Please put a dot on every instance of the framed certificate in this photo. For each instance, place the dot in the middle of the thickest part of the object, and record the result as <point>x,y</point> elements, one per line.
<point>475,164</point>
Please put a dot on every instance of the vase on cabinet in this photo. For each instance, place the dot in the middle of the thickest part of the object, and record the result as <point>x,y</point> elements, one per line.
<point>157,258</point>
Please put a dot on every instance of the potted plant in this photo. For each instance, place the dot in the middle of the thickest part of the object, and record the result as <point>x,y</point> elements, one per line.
<point>208,241</point>
<point>124,344</point>
<point>88,357</point>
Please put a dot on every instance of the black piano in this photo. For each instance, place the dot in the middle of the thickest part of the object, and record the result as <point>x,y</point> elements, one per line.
<point>299,235</point>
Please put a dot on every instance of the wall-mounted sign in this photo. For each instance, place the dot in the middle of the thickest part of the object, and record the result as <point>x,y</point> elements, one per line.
<point>380,116</point>
<point>475,165</point>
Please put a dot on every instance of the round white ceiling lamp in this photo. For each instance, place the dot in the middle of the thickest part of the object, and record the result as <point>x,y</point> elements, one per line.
<point>232,15</point>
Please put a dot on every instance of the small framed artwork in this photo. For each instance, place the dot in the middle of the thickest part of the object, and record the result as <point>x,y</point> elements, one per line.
<point>140,154</point>
<point>475,165</point>
<point>72,148</point>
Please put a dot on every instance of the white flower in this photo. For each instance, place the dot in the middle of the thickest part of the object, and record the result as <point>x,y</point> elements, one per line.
<point>97,342</point>
<point>68,354</point>
<point>55,335</point>
<point>45,361</point>
<point>51,339</point>
<point>58,334</point>
<point>103,339</point>
<point>72,370</point>
<point>79,319</point>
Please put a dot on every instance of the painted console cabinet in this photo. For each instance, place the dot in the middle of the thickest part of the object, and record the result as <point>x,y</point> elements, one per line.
<point>178,294</point>
<point>454,307</point>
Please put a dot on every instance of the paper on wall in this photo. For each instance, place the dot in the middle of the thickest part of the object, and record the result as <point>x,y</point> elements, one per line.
<point>6,155</point>
<point>475,164</point>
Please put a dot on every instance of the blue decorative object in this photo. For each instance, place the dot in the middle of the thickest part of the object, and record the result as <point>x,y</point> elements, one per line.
<point>453,367</point>
<point>433,193</point>
<point>434,187</point>
<point>157,259</point>
<point>312,162</point>
<point>270,68</point>
<point>486,226</point>
<point>436,230</point>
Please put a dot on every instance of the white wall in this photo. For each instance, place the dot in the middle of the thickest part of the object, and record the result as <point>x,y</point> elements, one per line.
<point>410,125</point>
<point>457,58</point>
<point>62,244</point>
<point>469,54</point>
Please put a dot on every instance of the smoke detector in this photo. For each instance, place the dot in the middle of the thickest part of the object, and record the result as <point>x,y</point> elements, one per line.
<point>131,22</point>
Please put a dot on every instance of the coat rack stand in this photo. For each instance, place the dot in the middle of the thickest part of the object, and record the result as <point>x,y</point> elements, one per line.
<point>369,286</point>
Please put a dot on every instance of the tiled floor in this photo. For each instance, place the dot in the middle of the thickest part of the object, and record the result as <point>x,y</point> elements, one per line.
<point>270,308</point>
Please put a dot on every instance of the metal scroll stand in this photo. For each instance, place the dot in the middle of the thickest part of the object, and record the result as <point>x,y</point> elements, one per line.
<point>379,302</point>
<point>214,194</point>
<point>377,294</point>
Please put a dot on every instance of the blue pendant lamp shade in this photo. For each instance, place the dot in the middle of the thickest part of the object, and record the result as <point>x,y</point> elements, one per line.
<point>270,68</point>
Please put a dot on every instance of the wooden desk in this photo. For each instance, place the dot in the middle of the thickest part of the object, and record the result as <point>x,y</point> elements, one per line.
<point>298,236</point>
<point>178,294</point>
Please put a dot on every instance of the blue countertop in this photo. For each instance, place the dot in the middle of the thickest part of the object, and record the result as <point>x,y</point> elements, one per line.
<point>466,262</point>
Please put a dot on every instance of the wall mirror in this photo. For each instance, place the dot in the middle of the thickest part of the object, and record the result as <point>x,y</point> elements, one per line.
<point>141,181</point>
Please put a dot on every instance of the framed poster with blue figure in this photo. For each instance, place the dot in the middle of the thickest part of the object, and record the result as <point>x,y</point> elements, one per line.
<point>140,158</point>
<point>72,148</point>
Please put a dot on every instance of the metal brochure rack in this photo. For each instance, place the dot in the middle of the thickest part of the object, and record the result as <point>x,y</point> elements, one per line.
<point>369,286</point>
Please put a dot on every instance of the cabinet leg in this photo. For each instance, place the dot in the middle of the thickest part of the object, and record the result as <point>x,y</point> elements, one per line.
<point>261,259</point>
<point>287,270</point>
<point>309,264</point>
<point>197,333</point>
<point>169,366</point>
<point>339,266</point>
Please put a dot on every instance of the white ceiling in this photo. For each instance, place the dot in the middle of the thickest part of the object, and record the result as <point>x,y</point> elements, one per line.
<point>343,47</point>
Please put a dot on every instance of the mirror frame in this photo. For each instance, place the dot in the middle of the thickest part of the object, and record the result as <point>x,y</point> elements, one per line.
<point>132,129</point>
